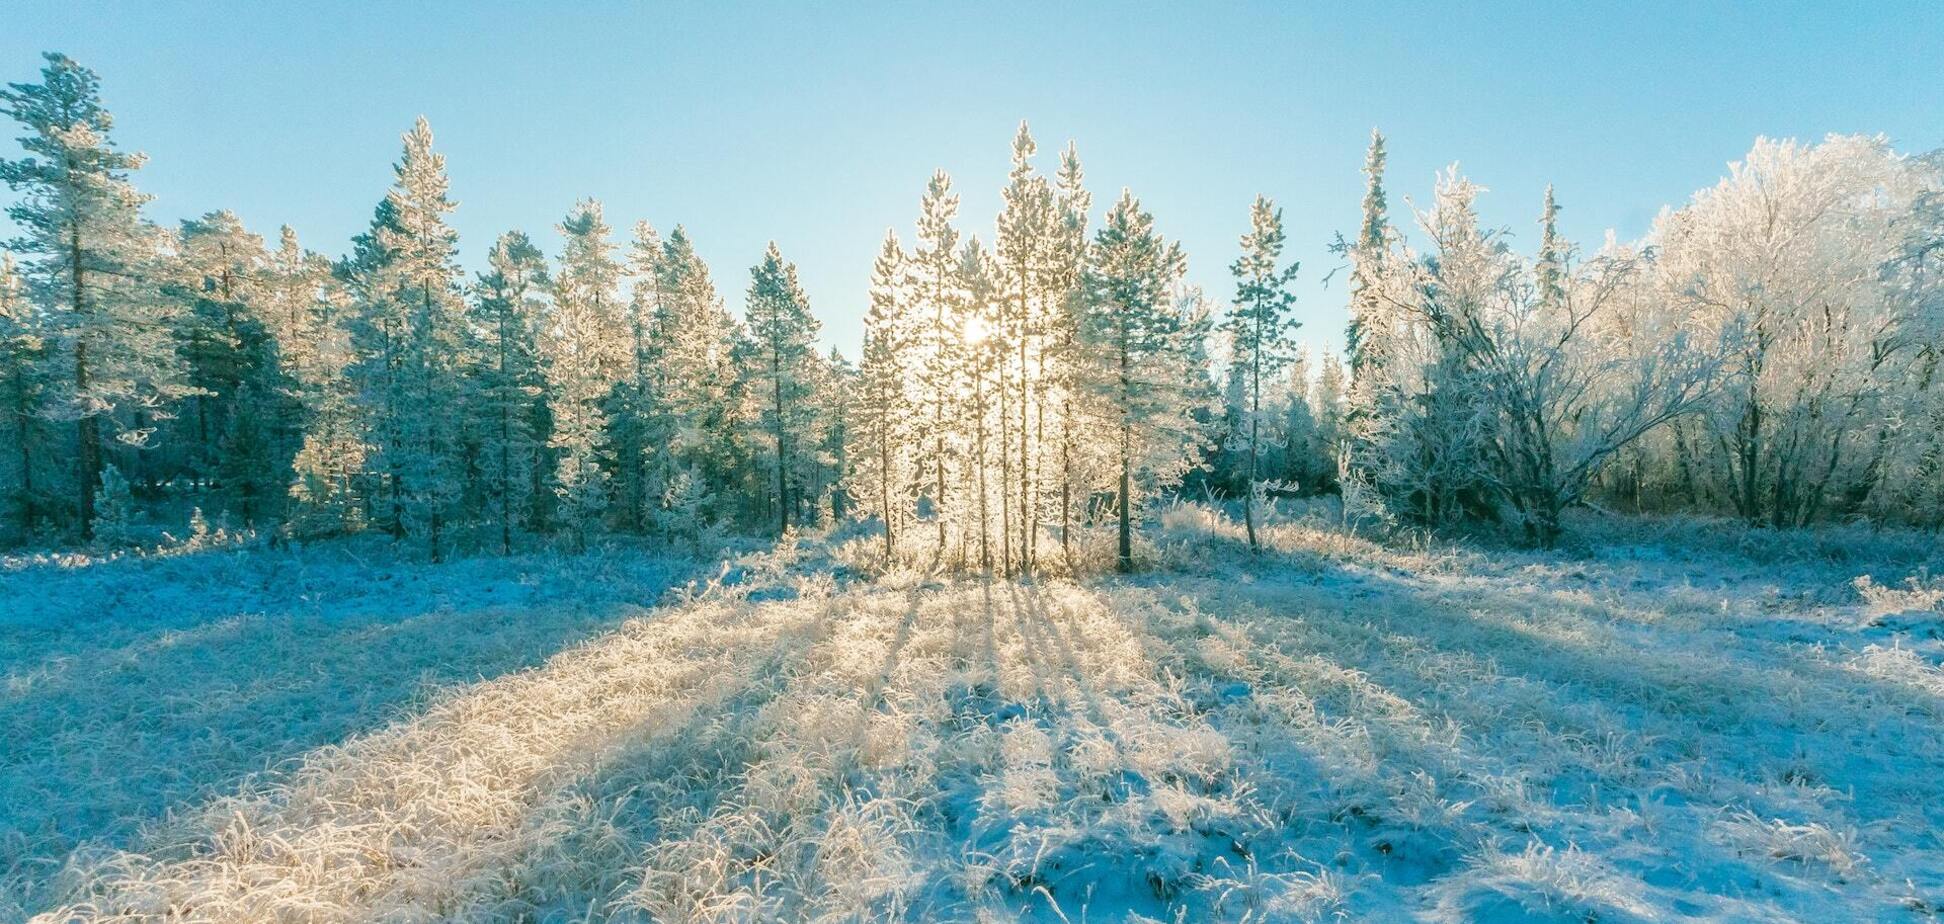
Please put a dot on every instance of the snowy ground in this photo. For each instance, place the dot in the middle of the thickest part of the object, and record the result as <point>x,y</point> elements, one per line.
<point>1679,722</point>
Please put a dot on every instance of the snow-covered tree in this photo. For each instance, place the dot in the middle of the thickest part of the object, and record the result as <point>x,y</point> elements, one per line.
<point>1259,328</point>
<point>585,347</point>
<point>413,340</point>
<point>510,383</point>
<point>237,426</point>
<point>694,342</point>
<point>1132,339</point>
<point>884,414</point>
<point>938,300</point>
<point>309,309</point>
<point>783,366</point>
<point>638,426</point>
<point>91,264</point>
<point>1784,260</point>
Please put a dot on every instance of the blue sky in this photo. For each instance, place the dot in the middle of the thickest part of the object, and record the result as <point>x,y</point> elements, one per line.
<point>817,125</point>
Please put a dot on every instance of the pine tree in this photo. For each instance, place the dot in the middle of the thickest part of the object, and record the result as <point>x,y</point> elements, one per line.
<point>637,424</point>
<point>91,266</point>
<point>1029,234</point>
<point>983,355</point>
<point>694,341</point>
<point>1326,407</point>
<point>883,431</point>
<point>1259,327</point>
<point>413,345</point>
<point>308,308</point>
<point>510,383</point>
<point>784,334</point>
<point>1069,264</point>
<point>938,298</point>
<point>233,359</point>
<point>836,396</point>
<point>586,351</point>
<point>1133,339</point>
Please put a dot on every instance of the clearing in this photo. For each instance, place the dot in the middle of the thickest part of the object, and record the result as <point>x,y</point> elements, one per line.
<point>1679,721</point>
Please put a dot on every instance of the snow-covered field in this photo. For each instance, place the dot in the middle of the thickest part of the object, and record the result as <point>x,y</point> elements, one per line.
<point>1680,721</point>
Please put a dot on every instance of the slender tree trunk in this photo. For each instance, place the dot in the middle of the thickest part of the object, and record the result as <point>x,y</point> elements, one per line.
<point>1255,412</point>
<point>884,483</point>
<point>985,529</point>
<point>1025,458</point>
<point>782,451</point>
<point>87,428</point>
<point>1125,561</point>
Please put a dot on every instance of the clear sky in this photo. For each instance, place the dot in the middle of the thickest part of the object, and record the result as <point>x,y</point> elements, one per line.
<point>817,125</point>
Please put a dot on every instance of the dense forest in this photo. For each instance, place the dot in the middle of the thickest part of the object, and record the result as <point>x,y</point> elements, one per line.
<point>1770,352</point>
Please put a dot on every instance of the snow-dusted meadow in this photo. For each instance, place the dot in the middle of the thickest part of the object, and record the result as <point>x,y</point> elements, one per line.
<point>1677,720</point>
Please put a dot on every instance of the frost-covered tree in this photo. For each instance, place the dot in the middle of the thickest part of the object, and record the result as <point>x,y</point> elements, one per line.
<point>1784,261</point>
<point>1132,339</point>
<point>938,300</point>
<point>695,340</point>
<point>784,366</point>
<point>237,426</point>
<point>1364,335</point>
<point>309,310</point>
<point>91,265</point>
<point>510,383</point>
<point>884,414</point>
<point>638,426</point>
<point>1259,328</point>
<point>1030,229</point>
<point>1073,202</point>
<point>984,356</point>
<point>413,340</point>
<point>584,345</point>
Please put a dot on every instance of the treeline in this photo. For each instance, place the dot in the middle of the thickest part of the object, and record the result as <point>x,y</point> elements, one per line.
<point>1770,352</point>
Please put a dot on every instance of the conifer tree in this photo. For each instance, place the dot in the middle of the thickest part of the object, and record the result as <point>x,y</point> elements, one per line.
<point>695,339</point>
<point>414,342</point>
<point>308,308</point>
<point>510,383</point>
<point>983,355</point>
<point>885,410</point>
<point>232,353</point>
<point>938,298</point>
<point>1029,235</point>
<point>1073,202</point>
<point>1367,254</point>
<point>91,265</point>
<point>783,370</point>
<point>1133,339</point>
<point>637,425</point>
<point>1259,327</point>
<point>586,351</point>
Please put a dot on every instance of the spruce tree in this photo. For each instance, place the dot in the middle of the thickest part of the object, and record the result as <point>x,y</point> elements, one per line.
<point>309,309</point>
<point>1367,254</point>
